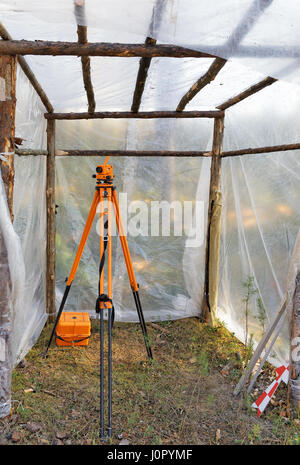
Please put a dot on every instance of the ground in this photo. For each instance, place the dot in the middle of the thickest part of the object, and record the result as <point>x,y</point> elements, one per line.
<point>183,397</point>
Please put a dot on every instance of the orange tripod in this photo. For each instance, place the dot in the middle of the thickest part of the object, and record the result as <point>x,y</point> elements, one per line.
<point>105,193</point>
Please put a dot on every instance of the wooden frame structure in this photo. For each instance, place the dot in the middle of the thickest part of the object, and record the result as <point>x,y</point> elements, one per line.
<point>15,48</point>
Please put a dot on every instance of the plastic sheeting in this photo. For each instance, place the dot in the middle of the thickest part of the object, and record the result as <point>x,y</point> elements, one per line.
<point>157,260</point>
<point>260,192</point>
<point>261,213</point>
<point>12,292</point>
<point>30,219</point>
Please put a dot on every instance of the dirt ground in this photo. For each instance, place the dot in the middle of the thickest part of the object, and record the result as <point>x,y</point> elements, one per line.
<point>183,397</point>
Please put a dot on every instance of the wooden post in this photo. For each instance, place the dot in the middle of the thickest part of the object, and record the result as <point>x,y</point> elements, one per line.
<point>50,199</point>
<point>8,66</point>
<point>214,193</point>
<point>7,133</point>
<point>294,385</point>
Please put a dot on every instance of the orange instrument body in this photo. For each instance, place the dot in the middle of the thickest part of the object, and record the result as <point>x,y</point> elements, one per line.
<point>73,329</point>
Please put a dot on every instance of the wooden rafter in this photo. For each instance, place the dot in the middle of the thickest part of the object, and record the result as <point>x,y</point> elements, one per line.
<point>28,72</point>
<point>267,149</point>
<point>85,60</point>
<point>141,78</point>
<point>246,93</point>
<point>206,79</point>
<point>55,48</point>
<point>139,115</point>
<point>117,153</point>
<point>146,61</point>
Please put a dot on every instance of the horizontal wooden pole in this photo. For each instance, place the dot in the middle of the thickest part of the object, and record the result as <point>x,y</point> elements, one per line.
<point>40,47</point>
<point>138,115</point>
<point>268,149</point>
<point>28,72</point>
<point>115,153</point>
<point>30,152</point>
<point>158,153</point>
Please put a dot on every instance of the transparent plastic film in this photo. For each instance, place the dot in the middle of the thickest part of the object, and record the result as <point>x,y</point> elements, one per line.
<point>30,220</point>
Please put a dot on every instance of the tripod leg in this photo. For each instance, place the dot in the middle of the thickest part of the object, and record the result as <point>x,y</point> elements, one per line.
<point>110,310</point>
<point>101,375</point>
<point>133,283</point>
<point>142,322</point>
<point>82,243</point>
<point>67,290</point>
<point>109,372</point>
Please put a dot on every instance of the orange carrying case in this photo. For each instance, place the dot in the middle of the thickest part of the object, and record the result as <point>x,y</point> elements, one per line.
<point>73,328</point>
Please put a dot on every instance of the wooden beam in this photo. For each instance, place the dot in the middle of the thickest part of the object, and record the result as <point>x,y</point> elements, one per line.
<point>258,150</point>
<point>106,49</point>
<point>131,115</point>
<point>50,201</point>
<point>85,60</point>
<point>208,305</point>
<point>55,48</point>
<point>8,67</point>
<point>131,153</point>
<point>141,78</point>
<point>30,152</point>
<point>246,93</point>
<point>294,362</point>
<point>114,153</point>
<point>28,72</point>
<point>145,62</point>
<point>158,153</point>
<point>86,70</point>
<point>206,79</point>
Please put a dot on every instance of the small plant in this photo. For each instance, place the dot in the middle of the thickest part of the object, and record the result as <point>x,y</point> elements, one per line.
<point>262,316</point>
<point>254,434</point>
<point>250,291</point>
<point>249,349</point>
<point>211,399</point>
<point>248,403</point>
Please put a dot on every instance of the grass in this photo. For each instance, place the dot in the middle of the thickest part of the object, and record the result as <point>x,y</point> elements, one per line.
<point>183,397</point>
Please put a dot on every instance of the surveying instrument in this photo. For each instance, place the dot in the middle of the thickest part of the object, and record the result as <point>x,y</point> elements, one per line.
<point>105,192</point>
